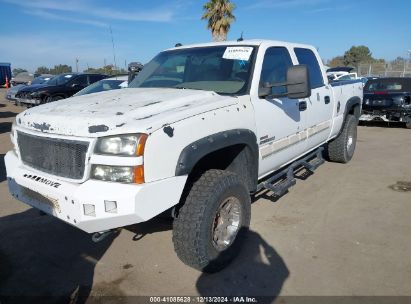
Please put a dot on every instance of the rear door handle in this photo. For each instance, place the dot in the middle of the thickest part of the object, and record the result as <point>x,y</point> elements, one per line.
<point>327,99</point>
<point>302,105</point>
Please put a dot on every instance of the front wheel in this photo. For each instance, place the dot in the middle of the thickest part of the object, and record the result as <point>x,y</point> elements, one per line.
<point>341,149</point>
<point>211,225</point>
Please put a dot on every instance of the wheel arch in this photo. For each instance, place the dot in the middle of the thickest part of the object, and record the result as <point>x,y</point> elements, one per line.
<point>353,107</point>
<point>233,150</point>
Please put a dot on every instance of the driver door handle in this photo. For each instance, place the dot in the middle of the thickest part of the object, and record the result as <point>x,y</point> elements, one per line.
<point>302,105</point>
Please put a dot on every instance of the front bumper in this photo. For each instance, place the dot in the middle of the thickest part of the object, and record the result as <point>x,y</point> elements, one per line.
<point>28,101</point>
<point>10,96</point>
<point>65,200</point>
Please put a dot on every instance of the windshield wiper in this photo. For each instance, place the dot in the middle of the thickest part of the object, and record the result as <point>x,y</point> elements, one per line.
<point>186,88</point>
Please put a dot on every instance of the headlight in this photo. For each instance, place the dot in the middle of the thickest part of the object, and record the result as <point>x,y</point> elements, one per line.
<point>122,145</point>
<point>118,174</point>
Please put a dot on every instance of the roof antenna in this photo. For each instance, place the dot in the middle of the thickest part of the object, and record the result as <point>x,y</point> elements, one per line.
<point>241,38</point>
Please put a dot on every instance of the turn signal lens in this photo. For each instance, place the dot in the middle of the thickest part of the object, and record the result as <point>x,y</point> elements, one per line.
<point>141,144</point>
<point>139,174</point>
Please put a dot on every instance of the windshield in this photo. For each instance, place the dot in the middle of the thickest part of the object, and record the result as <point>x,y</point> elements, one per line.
<point>222,69</point>
<point>60,79</point>
<point>40,80</point>
<point>103,85</point>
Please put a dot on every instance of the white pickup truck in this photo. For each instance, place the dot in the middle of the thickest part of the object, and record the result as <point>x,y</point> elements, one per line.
<point>198,130</point>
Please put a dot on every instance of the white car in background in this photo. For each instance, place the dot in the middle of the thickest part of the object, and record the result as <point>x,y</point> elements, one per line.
<point>107,84</point>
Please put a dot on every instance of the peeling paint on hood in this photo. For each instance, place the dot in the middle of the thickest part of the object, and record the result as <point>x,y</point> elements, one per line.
<point>129,110</point>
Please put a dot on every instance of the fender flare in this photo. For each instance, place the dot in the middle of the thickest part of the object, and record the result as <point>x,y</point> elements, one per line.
<point>195,151</point>
<point>352,102</point>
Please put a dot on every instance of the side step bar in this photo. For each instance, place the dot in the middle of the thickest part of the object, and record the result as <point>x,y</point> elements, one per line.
<point>285,179</point>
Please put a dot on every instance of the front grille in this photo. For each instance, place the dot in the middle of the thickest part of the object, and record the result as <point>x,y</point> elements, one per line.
<point>60,157</point>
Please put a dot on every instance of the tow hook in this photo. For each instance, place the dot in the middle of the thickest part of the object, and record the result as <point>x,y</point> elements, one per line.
<point>99,236</point>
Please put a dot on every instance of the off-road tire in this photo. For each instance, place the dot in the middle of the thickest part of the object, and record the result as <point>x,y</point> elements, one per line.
<point>408,124</point>
<point>338,149</point>
<point>193,227</point>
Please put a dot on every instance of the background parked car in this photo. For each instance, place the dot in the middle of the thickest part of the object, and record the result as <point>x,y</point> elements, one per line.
<point>113,83</point>
<point>59,87</point>
<point>11,93</point>
<point>22,78</point>
<point>388,99</point>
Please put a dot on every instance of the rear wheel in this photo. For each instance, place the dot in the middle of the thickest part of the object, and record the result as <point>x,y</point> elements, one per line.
<point>341,149</point>
<point>408,123</point>
<point>211,225</point>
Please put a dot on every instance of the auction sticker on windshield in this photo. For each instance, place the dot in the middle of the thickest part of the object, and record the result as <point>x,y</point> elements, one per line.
<point>238,52</point>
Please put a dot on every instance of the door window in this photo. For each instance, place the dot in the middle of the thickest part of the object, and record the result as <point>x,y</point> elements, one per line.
<point>80,81</point>
<point>94,78</point>
<point>276,62</point>
<point>306,56</point>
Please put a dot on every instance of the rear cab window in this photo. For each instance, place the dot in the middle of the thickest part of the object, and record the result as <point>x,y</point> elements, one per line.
<point>307,57</point>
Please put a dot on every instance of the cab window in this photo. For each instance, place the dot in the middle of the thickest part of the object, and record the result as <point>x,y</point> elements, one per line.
<point>276,62</point>
<point>307,57</point>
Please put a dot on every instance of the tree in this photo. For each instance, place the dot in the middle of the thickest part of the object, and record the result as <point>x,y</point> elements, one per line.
<point>42,70</point>
<point>356,55</point>
<point>60,69</point>
<point>18,70</point>
<point>336,62</point>
<point>219,16</point>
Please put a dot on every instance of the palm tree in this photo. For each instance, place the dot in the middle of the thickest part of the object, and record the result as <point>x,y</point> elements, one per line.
<point>219,15</point>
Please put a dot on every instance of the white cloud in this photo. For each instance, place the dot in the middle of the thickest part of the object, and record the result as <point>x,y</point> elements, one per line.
<point>51,9</point>
<point>52,16</point>
<point>40,50</point>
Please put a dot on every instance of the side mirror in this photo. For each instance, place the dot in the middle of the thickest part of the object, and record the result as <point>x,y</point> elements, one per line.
<point>298,84</point>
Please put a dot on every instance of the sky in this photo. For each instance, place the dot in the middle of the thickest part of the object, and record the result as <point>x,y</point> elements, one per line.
<point>37,33</point>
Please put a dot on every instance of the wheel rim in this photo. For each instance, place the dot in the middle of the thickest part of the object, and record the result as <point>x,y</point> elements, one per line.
<point>226,223</point>
<point>350,141</point>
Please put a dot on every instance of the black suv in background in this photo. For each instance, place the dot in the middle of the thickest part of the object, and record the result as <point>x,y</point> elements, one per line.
<point>388,99</point>
<point>58,87</point>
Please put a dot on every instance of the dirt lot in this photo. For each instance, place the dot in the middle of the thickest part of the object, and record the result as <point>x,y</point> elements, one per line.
<point>343,231</point>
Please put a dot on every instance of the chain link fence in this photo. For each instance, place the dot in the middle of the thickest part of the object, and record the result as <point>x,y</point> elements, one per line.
<point>402,69</point>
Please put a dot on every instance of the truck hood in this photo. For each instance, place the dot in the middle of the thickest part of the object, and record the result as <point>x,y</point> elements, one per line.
<point>123,111</point>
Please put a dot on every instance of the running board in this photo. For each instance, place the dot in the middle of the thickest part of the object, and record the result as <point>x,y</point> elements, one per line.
<point>285,179</point>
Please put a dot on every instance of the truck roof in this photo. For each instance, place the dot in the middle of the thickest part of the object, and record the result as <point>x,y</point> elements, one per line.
<point>253,42</point>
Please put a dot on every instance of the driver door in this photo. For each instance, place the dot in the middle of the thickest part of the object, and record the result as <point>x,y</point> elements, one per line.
<point>279,121</point>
